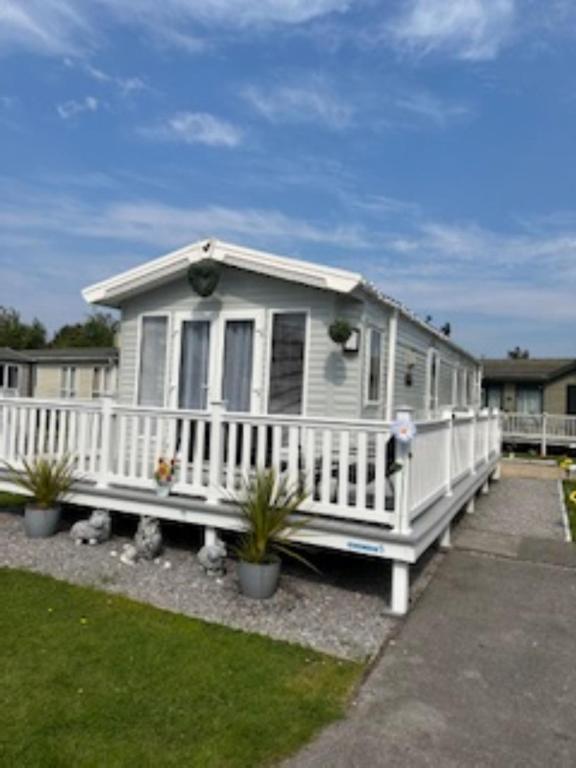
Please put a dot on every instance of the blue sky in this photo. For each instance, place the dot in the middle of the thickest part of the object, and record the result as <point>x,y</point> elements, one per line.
<point>427,143</point>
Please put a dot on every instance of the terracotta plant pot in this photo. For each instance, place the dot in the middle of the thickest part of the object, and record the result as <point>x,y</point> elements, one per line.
<point>259,580</point>
<point>40,523</point>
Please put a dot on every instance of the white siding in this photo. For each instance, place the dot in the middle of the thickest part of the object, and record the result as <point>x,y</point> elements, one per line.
<point>336,381</point>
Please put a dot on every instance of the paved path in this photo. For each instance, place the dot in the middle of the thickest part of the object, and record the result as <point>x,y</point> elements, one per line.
<point>482,673</point>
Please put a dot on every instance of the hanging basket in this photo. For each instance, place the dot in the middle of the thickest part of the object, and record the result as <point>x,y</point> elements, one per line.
<point>204,277</point>
<point>340,331</point>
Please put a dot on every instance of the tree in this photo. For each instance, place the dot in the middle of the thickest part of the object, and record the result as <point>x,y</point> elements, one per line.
<point>98,330</point>
<point>16,334</point>
<point>518,354</point>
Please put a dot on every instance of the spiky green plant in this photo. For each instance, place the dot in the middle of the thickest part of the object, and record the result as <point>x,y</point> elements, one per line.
<point>267,506</point>
<point>46,479</point>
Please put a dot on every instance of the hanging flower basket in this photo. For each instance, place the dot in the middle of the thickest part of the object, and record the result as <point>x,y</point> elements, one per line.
<point>340,331</point>
<point>204,277</point>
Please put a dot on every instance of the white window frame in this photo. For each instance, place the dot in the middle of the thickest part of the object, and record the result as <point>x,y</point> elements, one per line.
<point>258,316</point>
<point>371,329</point>
<point>217,322</point>
<point>6,370</point>
<point>432,399</point>
<point>139,336</point>
<point>68,382</point>
<point>268,365</point>
<point>102,381</point>
<point>176,369</point>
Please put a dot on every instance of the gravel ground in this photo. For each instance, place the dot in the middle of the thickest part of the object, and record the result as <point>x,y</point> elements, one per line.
<point>519,506</point>
<point>340,612</point>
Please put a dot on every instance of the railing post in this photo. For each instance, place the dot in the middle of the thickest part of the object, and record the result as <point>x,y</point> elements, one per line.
<point>449,432</point>
<point>544,439</point>
<point>402,485</point>
<point>486,436</point>
<point>213,493</point>
<point>472,443</point>
<point>4,435</point>
<point>106,447</point>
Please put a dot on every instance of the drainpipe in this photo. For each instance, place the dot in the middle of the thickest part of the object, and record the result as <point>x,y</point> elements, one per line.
<point>391,367</point>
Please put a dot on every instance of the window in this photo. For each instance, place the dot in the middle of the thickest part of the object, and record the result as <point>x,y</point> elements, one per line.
<point>433,364</point>
<point>571,399</point>
<point>194,364</point>
<point>286,390</point>
<point>12,377</point>
<point>492,396</point>
<point>237,370</point>
<point>374,365</point>
<point>152,371</point>
<point>470,388</point>
<point>68,381</point>
<point>102,381</point>
<point>529,400</point>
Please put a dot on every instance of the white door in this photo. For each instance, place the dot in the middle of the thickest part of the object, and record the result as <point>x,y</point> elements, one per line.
<point>194,364</point>
<point>240,371</point>
<point>218,356</point>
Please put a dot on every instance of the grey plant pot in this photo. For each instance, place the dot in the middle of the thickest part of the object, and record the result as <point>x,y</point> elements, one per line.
<point>258,580</point>
<point>40,523</point>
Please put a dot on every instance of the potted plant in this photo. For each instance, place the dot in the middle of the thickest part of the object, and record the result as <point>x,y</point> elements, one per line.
<point>340,331</point>
<point>164,476</point>
<point>47,480</point>
<point>266,507</point>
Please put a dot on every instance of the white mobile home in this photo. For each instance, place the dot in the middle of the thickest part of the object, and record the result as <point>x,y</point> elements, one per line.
<point>234,360</point>
<point>260,342</point>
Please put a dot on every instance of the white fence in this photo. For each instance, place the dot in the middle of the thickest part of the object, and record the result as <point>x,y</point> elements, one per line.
<point>347,465</point>
<point>545,429</point>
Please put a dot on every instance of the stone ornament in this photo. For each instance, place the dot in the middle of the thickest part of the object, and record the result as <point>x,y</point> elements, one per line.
<point>212,558</point>
<point>95,530</point>
<point>147,542</point>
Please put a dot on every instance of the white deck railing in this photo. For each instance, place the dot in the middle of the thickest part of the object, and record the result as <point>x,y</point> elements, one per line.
<point>542,428</point>
<point>344,463</point>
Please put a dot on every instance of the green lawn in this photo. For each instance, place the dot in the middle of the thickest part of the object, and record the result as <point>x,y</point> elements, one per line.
<point>11,500</point>
<point>91,679</point>
<point>570,487</point>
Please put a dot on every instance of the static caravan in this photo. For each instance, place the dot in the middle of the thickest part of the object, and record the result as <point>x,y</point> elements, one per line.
<point>260,341</point>
<point>233,360</point>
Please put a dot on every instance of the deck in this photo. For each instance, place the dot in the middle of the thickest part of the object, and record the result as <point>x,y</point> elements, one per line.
<point>545,430</point>
<point>356,501</point>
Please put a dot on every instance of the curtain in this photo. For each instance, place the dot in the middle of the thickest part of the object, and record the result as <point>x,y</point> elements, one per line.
<point>237,374</point>
<point>194,365</point>
<point>152,375</point>
<point>529,400</point>
<point>287,363</point>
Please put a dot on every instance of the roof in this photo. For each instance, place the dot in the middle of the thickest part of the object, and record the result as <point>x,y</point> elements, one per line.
<point>8,355</point>
<point>114,291</point>
<point>73,354</point>
<point>534,369</point>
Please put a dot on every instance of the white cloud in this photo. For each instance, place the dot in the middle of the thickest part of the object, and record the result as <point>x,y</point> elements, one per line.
<point>468,29</point>
<point>61,27</point>
<point>313,102</point>
<point>126,85</point>
<point>73,108</point>
<point>195,128</point>
<point>232,12</point>
<point>428,107</point>
<point>25,211</point>
<point>45,26</point>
